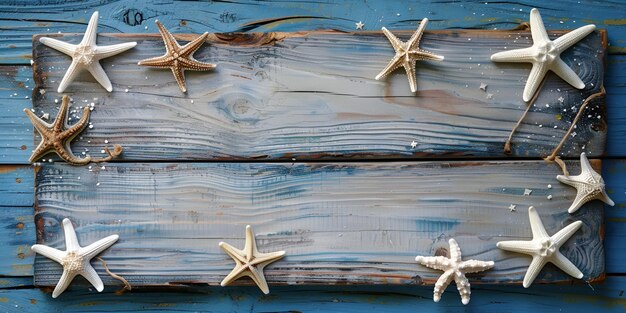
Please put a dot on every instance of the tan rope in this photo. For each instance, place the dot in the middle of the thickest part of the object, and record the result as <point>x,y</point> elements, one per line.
<point>507,144</point>
<point>118,277</point>
<point>117,150</point>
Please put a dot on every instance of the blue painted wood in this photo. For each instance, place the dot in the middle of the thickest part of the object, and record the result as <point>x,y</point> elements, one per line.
<point>16,185</point>
<point>614,172</point>
<point>17,233</point>
<point>615,84</point>
<point>605,297</point>
<point>16,140</point>
<point>19,20</point>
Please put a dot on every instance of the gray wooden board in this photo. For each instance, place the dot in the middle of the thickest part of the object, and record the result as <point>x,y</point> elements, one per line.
<point>350,223</point>
<point>312,95</point>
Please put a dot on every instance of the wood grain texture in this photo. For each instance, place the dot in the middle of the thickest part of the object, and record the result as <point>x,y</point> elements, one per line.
<point>614,172</point>
<point>358,223</point>
<point>313,95</point>
<point>616,105</point>
<point>17,230</point>
<point>20,19</point>
<point>16,186</point>
<point>16,86</point>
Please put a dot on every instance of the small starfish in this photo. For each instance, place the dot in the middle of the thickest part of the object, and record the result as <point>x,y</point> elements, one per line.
<point>413,144</point>
<point>483,87</point>
<point>178,58</point>
<point>545,55</point>
<point>249,261</point>
<point>589,185</point>
<point>75,259</point>
<point>407,54</point>
<point>512,207</point>
<point>544,248</point>
<point>454,268</point>
<point>527,191</point>
<point>87,55</point>
<point>57,136</point>
<point>359,25</point>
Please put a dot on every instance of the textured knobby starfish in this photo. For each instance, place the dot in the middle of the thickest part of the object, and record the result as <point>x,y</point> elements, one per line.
<point>178,58</point>
<point>454,268</point>
<point>87,55</point>
<point>589,185</point>
<point>57,136</point>
<point>544,248</point>
<point>249,261</point>
<point>407,54</point>
<point>75,259</point>
<point>545,55</point>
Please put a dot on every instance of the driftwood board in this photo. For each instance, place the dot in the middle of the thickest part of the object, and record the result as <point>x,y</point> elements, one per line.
<point>351,223</point>
<point>312,95</point>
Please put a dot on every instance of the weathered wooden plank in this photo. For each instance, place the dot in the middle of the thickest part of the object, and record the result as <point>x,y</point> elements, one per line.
<point>313,95</point>
<point>16,186</point>
<point>17,231</point>
<point>16,87</point>
<point>616,105</point>
<point>607,297</point>
<point>20,19</point>
<point>357,223</point>
<point>614,172</point>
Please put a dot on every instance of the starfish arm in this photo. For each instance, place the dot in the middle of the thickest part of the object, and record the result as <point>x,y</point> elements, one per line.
<point>426,55</point>
<point>455,250</point>
<point>68,78</point>
<point>585,166</point>
<point>537,73</point>
<point>525,247</point>
<point>233,252</point>
<point>179,75</point>
<point>103,52</point>
<point>92,276</point>
<point>476,266</point>
<point>533,270</point>
<point>64,282</point>
<point>561,69</point>
<point>259,279</point>
<point>195,65</point>
<point>165,61</point>
<point>171,45</point>
<point>250,248</point>
<point>442,283</point>
<point>564,234</point>
<point>191,47</point>
<point>579,201</point>
<point>268,257</point>
<point>59,45</point>
<point>464,288</point>
<point>564,42</point>
<point>59,122</point>
<point>417,35</point>
<point>435,262</point>
<point>535,224</point>
<point>537,29</point>
<point>78,127</point>
<point>395,42</point>
<point>391,66</point>
<point>235,274</point>
<point>569,180</point>
<point>98,73</point>
<point>515,56</point>
<point>605,198</point>
<point>71,242</point>
<point>97,247</point>
<point>89,39</point>
<point>51,253</point>
<point>41,126</point>
<point>42,149</point>
<point>566,265</point>
<point>409,67</point>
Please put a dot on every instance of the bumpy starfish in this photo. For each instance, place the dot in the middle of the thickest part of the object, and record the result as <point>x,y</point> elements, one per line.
<point>589,185</point>
<point>454,268</point>
<point>87,55</point>
<point>178,58</point>
<point>545,55</point>
<point>407,54</point>
<point>249,261</point>
<point>544,248</point>
<point>57,136</point>
<point>75,259</point>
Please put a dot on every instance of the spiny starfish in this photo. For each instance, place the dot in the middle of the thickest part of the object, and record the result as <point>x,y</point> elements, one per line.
<point>249,261</point>
<point>58,136</point>
<point>178,58</point>
<point>589,185</point>
<point>75,259</point>
<point>407,54</point>
<point>87,55</point>
<point>544,248</point>
<point>545,55</point>
<point>454,268</point>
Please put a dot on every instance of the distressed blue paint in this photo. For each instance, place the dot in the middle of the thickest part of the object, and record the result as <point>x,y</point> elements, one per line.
<point>614,172</point>
<point>16,186</point>
<point>615,84</point>
<point>16,143</point>
<point>17,233</point>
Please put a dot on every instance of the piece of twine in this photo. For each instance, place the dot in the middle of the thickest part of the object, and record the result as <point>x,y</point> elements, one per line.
<point>127,285</point>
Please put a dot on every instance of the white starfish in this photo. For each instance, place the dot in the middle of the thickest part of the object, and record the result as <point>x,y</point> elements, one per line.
<point>545,55</point>
<point>407,55</point>
<point>87,55</point>
<point>359,25</point>
<point>589,185</point>
<point>454,268</point>
<point>544,248</point>
<point>75,259</point>
<point>249,261</point>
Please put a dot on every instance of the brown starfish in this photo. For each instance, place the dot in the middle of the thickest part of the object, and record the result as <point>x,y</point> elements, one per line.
<point>57,136</point>
<point>178,58</point>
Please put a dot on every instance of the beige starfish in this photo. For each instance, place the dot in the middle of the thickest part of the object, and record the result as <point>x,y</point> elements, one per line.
<point>249,261</point>
<point>58,135</point>
<point>178,58</point>
<point>407,54</point>
<point>589,185</point>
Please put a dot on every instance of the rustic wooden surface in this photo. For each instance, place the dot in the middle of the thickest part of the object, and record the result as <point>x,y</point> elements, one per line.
<point>313,95</point>
<point>335,221</point>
